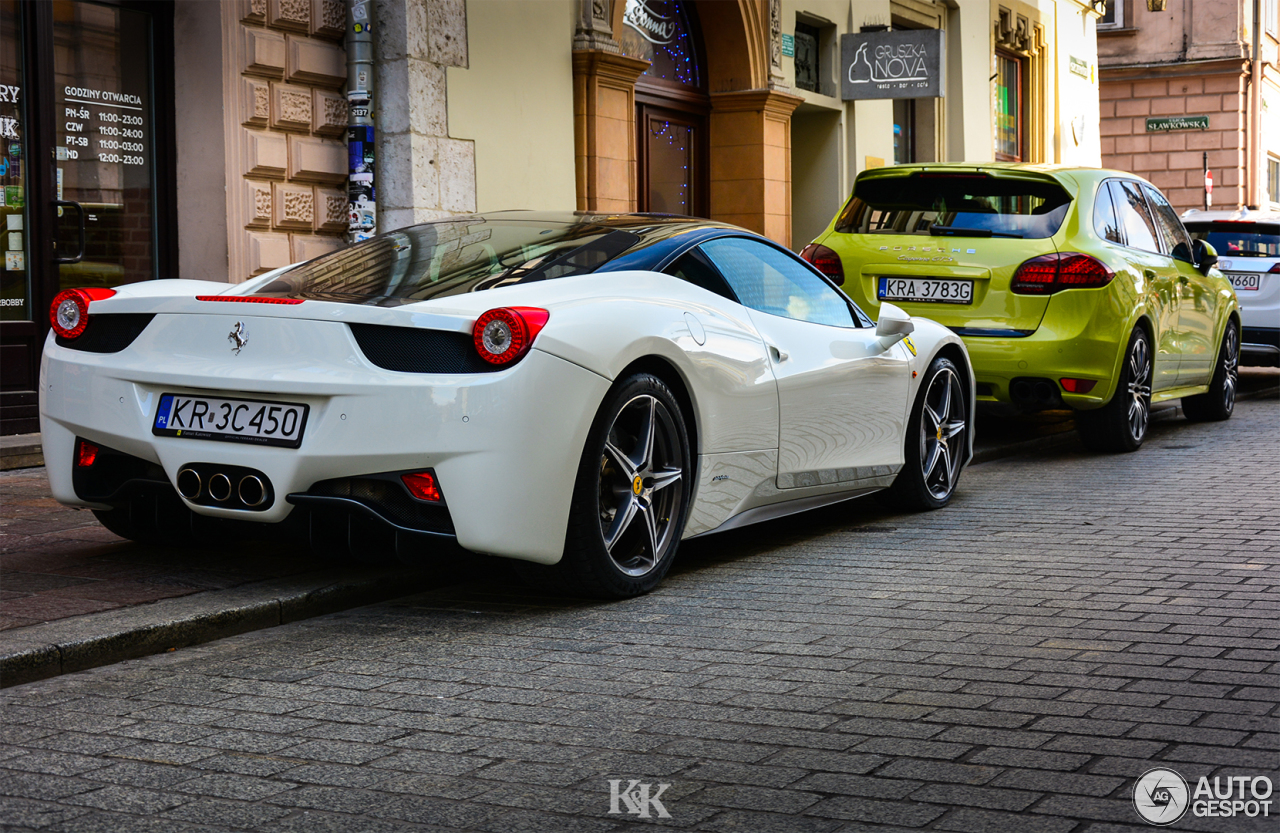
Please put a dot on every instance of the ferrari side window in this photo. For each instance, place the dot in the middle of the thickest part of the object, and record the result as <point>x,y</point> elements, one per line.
<point>771,281</point>
<point>694,268</point>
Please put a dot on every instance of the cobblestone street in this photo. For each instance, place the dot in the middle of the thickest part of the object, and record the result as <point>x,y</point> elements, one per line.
<point>1010,663</point>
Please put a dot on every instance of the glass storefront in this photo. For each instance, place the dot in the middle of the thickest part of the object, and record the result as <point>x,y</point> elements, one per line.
<point>103,151</point>
<point>15,280</point>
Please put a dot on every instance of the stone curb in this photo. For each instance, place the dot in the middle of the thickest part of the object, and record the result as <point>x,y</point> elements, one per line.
<point>75,644</point>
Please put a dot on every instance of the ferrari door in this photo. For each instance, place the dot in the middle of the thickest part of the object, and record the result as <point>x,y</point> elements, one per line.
<point>841,396</point>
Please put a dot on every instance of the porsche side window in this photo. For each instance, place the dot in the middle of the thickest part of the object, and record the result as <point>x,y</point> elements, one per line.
<point>694,268</point>
<point>1105,222</point>
<point>767,280</point>
<point>1135,216</point>
<point>1176,241</point>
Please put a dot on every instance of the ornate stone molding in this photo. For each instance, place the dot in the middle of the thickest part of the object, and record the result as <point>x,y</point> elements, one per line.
<point>594,31</point>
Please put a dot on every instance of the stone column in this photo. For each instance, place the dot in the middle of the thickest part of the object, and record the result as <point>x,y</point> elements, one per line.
<point>604,129</point>
<point>423,174</point>
<point>751,160</point>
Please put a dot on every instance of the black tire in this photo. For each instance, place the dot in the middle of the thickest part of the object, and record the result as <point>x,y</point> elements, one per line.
<point>1219,401</point>
<point>1122,424</point>
<point>936,443</point>
<point>603,556</point>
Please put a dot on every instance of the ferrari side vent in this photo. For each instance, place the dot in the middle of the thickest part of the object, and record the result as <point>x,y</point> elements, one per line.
<point>108,333</point>
<point>410,350</point>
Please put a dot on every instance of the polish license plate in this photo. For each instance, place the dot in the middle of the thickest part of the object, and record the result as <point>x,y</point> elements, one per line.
<point>230,420</point>
<point>1245,282</point>
<point>928,290</point>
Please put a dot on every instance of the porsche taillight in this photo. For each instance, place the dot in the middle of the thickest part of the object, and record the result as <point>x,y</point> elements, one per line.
<point>69,312</point>
<point>502,336</point>
<point>826,261</point>
<point>1047,274</point>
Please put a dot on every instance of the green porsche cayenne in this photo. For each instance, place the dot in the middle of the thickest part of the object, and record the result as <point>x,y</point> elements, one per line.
<point>1072,287</point>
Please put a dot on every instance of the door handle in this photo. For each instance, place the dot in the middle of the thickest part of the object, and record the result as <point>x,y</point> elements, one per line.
<point>778,356</point>
<point>79,213</point>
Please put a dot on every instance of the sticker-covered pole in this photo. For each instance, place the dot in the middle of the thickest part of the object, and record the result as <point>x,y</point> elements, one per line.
<point>361,194</point>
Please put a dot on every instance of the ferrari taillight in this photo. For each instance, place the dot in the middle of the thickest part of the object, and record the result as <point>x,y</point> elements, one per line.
<point>502,336</point>
<point>69,312</point>
<point>86,454</point>
<point>423,486</point>
<point>1047,274</point>
<point>826,261</point>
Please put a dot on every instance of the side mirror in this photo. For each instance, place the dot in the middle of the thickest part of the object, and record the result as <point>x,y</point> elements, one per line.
<point>1204,255</point>
<point>894,325</point>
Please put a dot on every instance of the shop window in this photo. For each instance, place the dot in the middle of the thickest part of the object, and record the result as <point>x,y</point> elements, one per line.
<point>1269,16</point>
<point>1273,179</point>
<point>904,131</point>
<point>808,57</point>
<point>1010,138</point>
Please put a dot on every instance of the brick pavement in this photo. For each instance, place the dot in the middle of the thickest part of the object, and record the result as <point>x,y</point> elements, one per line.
<point>1012,662</point>
<point>57,562</point>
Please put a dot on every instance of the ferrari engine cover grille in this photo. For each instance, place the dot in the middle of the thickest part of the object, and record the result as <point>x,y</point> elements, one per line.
<point>410,350</point>
<point>108,333</point>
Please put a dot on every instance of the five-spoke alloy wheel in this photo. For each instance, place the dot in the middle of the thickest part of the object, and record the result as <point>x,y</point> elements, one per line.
<point>937,442</point>
<point>632,492</point>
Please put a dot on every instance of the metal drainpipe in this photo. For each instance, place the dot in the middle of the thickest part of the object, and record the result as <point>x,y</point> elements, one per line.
<point>361,194</point>
<point>1255,112</point>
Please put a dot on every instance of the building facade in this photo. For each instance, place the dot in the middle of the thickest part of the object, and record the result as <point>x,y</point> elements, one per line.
<point>1191,86</point>
<point>148,139</point>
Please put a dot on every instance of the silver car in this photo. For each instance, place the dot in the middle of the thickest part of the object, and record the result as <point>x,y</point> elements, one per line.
<point>1248,246</point>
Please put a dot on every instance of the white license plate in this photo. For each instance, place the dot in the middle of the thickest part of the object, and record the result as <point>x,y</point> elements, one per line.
<point>1245,282</point>
<point>929,290</point>
<point>230,420</point>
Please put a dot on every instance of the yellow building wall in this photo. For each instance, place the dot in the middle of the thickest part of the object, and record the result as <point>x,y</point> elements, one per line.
<point>516,103</point>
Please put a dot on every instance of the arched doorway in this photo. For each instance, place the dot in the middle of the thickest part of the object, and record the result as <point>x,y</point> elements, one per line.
<point>672,106</point>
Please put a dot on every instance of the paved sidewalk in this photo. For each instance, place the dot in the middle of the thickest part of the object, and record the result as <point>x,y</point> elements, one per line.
<point>1011,663</point>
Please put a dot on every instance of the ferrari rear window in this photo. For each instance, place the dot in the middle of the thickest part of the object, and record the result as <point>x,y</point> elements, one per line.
<point>452,258</point>
<point>955,204</point>
<point>1239,239</point>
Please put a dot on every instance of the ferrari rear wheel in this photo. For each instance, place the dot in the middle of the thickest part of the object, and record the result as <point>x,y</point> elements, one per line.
<point>632,493</point>
<point>1121,424</point>
<point>937,441</point>
<point>1220,400</point>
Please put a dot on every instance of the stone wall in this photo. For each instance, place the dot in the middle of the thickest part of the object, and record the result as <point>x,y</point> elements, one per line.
<point>284,72</point>
<point>422,173</point>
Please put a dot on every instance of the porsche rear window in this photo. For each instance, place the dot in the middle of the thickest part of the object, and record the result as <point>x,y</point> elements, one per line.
<point>960,205</point>
<point>451,258</point>
<point>1239,239</point>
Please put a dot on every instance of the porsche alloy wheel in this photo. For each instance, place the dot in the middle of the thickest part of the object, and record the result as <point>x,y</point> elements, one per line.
<point>632,492</point>
<point>937,441</point>
<point>1121,424</point>
<point>1219,401</point>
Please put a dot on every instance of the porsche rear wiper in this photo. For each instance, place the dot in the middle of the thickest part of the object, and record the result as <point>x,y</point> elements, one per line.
<point>958,231</point>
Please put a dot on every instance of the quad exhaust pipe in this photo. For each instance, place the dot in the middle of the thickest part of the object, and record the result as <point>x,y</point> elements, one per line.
<point>229,487</point>
<point>1028,391</point>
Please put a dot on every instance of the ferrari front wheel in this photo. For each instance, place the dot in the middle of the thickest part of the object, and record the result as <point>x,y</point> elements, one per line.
<point>632,492</point>
<point>937,441</point>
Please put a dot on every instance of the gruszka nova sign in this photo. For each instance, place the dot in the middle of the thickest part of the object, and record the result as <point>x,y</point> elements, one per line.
<point>902,64</point>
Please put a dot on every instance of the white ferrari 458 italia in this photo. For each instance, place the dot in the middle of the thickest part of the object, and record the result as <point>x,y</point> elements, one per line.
<point>580,391</point>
